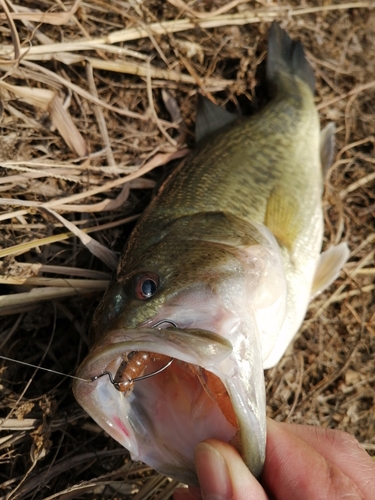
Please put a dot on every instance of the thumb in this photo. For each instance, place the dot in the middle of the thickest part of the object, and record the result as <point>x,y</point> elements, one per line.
<point>223,475</point>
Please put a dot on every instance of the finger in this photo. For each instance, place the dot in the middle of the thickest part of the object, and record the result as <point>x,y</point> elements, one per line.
<point>294,469</point>
<point>223,475</point>
<point>343,450</point>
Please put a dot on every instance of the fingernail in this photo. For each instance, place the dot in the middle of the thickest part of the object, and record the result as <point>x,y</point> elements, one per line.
<point>272,425</point>
<point>213,473</point>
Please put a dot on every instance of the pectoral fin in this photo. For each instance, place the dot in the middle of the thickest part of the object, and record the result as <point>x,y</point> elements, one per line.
<point>283,217</point>
<point>329,267</point>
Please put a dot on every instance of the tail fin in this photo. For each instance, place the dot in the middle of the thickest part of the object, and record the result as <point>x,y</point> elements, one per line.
<point>287,56</point>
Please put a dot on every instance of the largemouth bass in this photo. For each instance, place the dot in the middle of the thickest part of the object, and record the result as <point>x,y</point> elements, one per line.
<point>215,280</point>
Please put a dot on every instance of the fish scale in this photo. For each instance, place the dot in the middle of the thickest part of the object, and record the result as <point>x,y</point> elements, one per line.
<point>237,171</point>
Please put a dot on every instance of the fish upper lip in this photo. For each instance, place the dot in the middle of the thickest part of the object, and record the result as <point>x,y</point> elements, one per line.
<point>188,342</point>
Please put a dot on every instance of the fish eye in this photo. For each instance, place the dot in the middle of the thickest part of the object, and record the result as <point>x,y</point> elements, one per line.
<point>146,285</point>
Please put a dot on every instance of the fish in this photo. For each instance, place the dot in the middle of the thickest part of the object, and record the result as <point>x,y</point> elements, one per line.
<point>215,280</point>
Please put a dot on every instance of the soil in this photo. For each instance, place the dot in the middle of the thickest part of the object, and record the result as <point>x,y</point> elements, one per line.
<point>93,91</point>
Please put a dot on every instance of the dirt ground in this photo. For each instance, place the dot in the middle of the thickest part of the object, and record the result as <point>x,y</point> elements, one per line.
<point>95,99</point>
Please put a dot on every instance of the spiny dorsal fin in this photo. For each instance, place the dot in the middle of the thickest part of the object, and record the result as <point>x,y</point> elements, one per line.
<point>329,267</point>
<point>286,55</point>
<point>327,146</point>
<point>210,118</point>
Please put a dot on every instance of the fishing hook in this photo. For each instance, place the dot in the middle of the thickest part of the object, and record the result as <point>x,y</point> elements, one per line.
<point>164,321</point>
<point>130,382</point>
<point>136,379</point>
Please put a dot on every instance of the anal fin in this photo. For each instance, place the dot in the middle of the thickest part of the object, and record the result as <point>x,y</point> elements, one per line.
<point>329,267</point>
<point>327,146</point>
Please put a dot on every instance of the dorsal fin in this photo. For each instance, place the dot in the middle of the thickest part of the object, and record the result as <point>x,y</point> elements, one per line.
<point>210,118</point>
<point>286,56</point>
<point>327,146</point>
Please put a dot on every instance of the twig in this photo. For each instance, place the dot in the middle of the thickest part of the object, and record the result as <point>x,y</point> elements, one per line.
<point>62,204</point>
<point>55,18</point>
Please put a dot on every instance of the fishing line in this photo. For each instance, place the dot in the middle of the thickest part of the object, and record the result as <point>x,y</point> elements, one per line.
<point>93,379</point>
<point>45,369</point>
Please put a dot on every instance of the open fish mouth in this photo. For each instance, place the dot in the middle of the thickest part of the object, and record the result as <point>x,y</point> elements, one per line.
<point>161,391</point>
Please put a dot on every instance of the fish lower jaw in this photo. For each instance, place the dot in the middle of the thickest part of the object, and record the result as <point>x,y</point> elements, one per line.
<point>164,417</point>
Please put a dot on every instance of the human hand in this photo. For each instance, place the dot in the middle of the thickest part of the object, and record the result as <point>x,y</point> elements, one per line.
<point>301,462</point>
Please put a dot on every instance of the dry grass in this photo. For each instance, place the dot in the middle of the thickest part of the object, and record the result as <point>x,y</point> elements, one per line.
<point>91,99</point>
